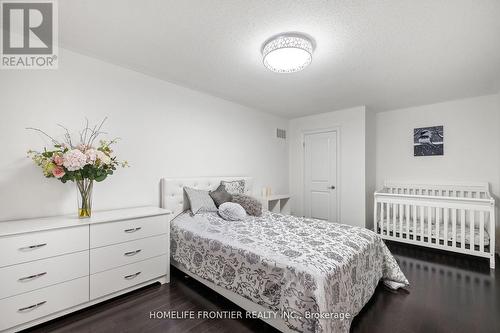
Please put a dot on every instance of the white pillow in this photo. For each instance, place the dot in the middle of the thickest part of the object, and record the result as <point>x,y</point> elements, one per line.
<point>199,201</point>
<point>235,186</point>
<point>231,211</point>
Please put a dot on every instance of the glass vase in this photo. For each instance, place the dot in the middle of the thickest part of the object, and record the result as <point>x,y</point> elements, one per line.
<point>84,195</point>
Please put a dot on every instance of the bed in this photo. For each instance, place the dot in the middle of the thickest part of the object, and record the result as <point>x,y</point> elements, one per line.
<point>306,275</point>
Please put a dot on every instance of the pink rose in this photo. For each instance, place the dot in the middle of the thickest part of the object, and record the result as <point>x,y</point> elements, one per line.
<point>58,172</point>
<point>58,160</point>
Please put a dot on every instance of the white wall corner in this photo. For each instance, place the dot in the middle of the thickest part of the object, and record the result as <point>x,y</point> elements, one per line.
<point>351,184</point>
<point>370,164</point>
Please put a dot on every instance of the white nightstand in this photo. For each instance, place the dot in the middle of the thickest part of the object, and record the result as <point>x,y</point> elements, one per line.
<point>278,203</point>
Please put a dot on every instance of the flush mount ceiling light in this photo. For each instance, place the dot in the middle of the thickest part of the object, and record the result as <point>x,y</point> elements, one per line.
<point>287,53</point>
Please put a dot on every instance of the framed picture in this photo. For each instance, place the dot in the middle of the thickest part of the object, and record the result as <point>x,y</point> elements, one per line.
<point>428,141</point>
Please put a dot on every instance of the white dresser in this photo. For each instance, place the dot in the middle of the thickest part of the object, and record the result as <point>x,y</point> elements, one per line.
<point>53,266</point>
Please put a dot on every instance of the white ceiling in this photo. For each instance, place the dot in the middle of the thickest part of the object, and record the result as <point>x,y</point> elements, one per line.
<point>383,54</point>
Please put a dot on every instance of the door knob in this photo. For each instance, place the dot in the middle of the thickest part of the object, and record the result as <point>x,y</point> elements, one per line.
<point>331,187</point>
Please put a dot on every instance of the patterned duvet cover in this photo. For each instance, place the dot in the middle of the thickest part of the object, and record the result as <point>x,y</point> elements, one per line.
<point>318,275</point>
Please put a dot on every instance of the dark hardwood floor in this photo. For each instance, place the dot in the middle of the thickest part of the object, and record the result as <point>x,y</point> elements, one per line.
<point>448,293</point>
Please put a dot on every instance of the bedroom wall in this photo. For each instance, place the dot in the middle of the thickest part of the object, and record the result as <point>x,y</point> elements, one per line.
<point>166,130</point>
<point>471,143</point>
<point>352,160</point>
<point>370,164</point>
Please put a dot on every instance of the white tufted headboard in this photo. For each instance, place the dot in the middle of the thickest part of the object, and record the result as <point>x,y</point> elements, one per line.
<point>172,193</point>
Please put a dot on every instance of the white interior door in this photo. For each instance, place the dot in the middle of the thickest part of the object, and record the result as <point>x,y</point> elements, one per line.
<point>320,164</point>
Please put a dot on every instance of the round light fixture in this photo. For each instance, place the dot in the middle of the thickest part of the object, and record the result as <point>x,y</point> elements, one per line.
<point>287,53</point>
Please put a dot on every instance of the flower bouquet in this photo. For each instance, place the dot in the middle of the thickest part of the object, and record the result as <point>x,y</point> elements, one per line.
<point>82,163</point>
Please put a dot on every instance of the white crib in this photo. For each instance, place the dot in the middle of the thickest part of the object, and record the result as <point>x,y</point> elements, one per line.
<point>458,218</point>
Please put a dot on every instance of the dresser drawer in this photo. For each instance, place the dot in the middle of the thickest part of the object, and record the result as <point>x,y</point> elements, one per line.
<point>114,280</point>
<point>42,302</point>
<point>18,279</point>
<point>103,234</point>
<point>44,244</point>
<point>112,256</point>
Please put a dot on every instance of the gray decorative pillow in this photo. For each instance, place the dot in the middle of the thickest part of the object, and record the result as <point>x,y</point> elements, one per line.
<point>220,195</point>
<point>251,205</point>
<point>231,211</point>
<point>235,186</point>
<point>199,201</point>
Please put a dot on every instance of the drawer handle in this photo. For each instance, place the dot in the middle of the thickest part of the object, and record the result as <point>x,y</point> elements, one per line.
<point>133,230</point>
<point>32,307</point>
<point>130,277</point>
<point>132,253</point>
<point>32,247</point>
<point>31,277</point>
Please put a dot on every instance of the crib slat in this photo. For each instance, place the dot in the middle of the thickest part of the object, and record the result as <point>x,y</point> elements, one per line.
<point>381,223</point>
<point>429,224</point>
<point>438,224</point>
<point>417,221</point>
<point>491,231</point>
<point>388,218</point>
<point>394,219</point>
<point>421,224</point>
<point>472,225</point>
<point>414,220</point>
<point>481,231</point>
<point>400,209</point>
<point>388,207</point>
<point>454,226</point>
<point>445,227</point>
<point>462,229</point>
<point>408,221</point>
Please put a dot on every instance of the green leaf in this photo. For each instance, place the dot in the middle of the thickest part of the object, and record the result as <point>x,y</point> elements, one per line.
<point>100,178</point>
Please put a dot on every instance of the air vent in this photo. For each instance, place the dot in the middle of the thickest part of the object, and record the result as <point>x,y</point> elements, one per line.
<point>281,133</point>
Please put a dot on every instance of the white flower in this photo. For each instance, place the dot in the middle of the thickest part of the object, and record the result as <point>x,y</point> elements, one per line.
<point>82,147</point>
<point>91,155</point>
<point>74,160</point>
<point>105,159</point>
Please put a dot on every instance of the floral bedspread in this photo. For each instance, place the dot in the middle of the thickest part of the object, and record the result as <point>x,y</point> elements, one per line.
<point>318,275</point>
